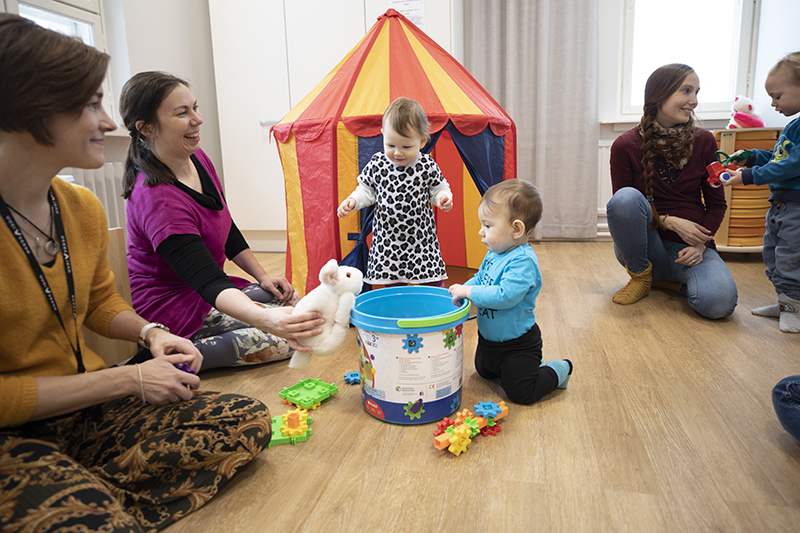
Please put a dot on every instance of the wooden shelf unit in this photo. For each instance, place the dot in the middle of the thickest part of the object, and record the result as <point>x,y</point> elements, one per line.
<point>747,206</point>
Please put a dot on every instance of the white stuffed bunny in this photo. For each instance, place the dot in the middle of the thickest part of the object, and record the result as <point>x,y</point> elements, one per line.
<point>334,298</point>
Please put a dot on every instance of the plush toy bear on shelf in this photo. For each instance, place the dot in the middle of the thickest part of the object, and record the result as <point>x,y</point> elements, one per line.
<point>744,115</point>
<point>334,298</point>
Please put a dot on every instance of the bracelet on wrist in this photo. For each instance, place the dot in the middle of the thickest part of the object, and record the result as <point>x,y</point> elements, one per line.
<point>141,382</point>
<point>148,327</point>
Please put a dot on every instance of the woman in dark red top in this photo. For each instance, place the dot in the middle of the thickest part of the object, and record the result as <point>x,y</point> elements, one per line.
<point>664,214</point>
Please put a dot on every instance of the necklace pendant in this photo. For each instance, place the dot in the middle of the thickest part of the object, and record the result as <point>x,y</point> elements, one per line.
<point>51,247</point>
<point>37,246</point>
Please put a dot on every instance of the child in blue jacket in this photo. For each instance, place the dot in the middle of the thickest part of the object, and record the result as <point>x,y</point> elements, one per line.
<point>780,168</point>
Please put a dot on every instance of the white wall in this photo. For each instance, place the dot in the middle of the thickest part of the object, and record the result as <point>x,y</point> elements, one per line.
<point>611,13</point>
<point>778,35</point>
<point>175,36</point>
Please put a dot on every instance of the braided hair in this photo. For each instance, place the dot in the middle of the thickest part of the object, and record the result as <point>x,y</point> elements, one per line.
<point>662,83</point>
<point>141,97</point>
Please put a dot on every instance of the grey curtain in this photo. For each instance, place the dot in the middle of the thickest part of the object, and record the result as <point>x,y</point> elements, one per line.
<point>539,60</point>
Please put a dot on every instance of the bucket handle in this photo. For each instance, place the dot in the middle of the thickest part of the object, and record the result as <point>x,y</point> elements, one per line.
<point>428,322</point>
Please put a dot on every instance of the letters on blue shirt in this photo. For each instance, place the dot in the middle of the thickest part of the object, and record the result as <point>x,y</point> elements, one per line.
<point>504,290</point>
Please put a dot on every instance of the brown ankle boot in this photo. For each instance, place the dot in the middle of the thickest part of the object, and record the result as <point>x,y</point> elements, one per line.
<point>637,288</point>
<point>667,285</point>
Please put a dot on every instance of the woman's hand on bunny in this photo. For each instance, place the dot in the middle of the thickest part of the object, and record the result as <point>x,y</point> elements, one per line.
<point>281,322</point>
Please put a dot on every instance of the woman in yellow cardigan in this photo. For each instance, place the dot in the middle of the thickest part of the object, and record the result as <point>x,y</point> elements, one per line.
<point>84,447</point>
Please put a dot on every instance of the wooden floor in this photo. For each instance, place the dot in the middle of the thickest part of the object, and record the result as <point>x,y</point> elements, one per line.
<point>667,425</point>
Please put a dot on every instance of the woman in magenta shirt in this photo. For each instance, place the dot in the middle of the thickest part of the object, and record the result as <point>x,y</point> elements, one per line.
<point>180,232</point>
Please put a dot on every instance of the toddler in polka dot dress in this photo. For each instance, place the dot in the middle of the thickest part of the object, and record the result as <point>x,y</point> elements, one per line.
<point>402,182</point>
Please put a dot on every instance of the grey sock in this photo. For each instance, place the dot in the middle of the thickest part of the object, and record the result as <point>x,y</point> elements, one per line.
<point>771,311</point>
<point>790,314</point>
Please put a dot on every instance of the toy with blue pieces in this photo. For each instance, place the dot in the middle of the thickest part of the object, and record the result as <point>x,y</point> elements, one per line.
<point>455,435</point>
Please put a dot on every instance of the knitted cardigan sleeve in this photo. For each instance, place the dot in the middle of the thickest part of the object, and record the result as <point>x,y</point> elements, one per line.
<point>36,346</point>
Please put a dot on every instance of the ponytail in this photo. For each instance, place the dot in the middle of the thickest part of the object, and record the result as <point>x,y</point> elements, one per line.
<point>142,159</point>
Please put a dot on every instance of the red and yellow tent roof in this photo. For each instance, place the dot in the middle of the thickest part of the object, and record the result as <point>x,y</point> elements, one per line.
<point>319,139</point>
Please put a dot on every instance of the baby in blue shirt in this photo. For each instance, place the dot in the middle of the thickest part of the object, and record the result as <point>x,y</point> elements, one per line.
<point>504,291</point>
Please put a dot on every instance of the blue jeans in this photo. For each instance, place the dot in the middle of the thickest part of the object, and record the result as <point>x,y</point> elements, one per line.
<point>708,286</point>
<point>780,248</point>
<point>786,399</point>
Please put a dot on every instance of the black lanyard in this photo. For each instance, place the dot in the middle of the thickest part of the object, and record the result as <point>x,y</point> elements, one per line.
<point>37,269</point>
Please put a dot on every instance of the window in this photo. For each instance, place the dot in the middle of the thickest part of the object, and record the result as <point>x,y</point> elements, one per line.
<point>76,18</point>
<point>715,37</point>
<point>57,22</point>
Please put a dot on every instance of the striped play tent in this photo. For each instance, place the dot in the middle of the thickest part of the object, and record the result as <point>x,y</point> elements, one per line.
<point>332,133</point>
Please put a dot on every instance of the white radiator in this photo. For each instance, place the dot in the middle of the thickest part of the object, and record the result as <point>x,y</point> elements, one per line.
<point>603,188</point>
<point>106,184</point>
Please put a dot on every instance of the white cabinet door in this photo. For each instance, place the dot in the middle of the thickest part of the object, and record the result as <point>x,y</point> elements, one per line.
<point>320,33</point>
<point>261,53</point>
<point>250,68</point>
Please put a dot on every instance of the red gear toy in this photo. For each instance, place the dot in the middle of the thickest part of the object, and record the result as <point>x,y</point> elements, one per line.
<point>718,170</point>
<point>718,174</point>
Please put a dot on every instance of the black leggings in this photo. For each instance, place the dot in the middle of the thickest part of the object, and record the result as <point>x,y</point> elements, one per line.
<point>516,363</point>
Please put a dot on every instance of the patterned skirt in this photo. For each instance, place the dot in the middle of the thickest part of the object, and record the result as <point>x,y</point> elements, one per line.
<point>136,468</point>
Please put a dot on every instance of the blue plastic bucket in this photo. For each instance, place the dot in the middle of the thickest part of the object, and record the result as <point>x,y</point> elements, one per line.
<point>411,349</point>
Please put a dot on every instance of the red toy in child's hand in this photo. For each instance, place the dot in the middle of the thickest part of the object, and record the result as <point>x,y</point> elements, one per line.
<point>718,173</point>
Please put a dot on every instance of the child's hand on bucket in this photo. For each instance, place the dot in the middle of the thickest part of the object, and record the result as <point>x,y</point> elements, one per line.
<point>459,293</point>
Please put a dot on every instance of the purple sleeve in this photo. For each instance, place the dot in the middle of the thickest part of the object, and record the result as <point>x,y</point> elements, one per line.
<point>162,211</point>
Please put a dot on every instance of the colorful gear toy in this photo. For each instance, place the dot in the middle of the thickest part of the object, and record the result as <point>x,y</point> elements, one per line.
<point>414,409</point>
<point>491,430</point>
<point>472,424</point>
<point>460,440</point>
<point>487,409</point>
<point>456,402</point>
<point>412,343</point>
<point>449,339</point>
<point>295,423</point>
